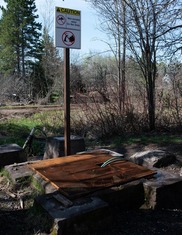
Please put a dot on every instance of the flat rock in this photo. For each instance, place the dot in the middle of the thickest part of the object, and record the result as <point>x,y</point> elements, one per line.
<point>153,158</point>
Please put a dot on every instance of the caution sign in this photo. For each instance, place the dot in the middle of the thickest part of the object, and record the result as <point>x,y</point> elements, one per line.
<point>68,11</point>
<point>67,28</point>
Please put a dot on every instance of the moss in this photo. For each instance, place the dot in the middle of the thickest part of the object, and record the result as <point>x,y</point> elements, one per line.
<point>36,184</point>
<point>4,173</point>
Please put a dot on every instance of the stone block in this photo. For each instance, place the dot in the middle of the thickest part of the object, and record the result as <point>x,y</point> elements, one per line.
<point>75,218</point>
<point>164,192</point>
<point>125,196</point>
<point>19,172</point>
<point>10,154</point>
<point>89,213</point>
<point>55,146</point>
<point>42,185</point>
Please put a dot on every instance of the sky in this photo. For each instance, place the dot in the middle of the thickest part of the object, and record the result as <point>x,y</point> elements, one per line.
<point>91,36</point>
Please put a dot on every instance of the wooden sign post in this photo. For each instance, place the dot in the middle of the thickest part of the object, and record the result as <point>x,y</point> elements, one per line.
<point>67,36</point>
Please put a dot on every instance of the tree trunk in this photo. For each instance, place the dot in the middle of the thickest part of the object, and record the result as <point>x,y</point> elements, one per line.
<point>124,56</point>
<point>151,111</point>
<point>151,99</point>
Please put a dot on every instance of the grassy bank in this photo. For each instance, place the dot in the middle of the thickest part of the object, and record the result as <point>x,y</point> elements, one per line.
<point>16,129</point>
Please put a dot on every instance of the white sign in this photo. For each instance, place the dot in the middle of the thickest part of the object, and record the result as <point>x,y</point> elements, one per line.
<point>67,28</point>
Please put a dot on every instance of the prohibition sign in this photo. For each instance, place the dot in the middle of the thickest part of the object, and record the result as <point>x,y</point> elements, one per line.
<point>68,38</point>
<point>61,19</point>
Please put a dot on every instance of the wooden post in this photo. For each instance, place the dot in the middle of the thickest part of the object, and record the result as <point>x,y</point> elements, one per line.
<point>67,101</point>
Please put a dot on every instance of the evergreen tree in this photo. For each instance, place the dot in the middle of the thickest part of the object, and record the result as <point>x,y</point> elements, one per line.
<point>47,71</point>
<point>19,36</point>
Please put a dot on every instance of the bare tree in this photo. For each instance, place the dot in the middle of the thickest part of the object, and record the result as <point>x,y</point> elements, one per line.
<point>113,21</point>
<point>174,72</point>
<point>151,26</point>
<point>153,29</point>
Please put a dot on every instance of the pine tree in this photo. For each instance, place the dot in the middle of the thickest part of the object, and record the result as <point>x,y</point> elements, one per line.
<point>19,36</point>
<point>46,72</point>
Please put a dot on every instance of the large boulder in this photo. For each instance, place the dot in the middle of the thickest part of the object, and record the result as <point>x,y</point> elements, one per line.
<point>153,158</point>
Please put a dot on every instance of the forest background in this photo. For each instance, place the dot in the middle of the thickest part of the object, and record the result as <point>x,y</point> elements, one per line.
<point>136,87</point>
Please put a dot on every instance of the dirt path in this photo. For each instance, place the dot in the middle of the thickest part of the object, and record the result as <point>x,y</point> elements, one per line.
<point>25,109</point>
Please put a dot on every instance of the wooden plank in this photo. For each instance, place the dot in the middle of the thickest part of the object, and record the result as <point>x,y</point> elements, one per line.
<point>60,160</point>
<point>78,175</point>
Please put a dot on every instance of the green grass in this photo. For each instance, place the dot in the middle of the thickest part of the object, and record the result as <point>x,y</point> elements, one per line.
<point>52,120</point>
<point>16,130</point>
<point>149,139</point>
